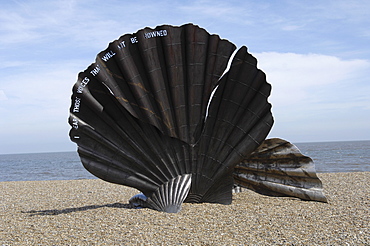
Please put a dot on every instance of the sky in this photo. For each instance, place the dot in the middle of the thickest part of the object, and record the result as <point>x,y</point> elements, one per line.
<point>316,55</point>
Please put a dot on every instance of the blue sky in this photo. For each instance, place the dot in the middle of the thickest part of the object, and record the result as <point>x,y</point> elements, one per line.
<point>316,55</point>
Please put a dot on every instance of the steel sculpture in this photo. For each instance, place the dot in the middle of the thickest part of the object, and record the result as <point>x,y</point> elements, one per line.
<point>160,110</point>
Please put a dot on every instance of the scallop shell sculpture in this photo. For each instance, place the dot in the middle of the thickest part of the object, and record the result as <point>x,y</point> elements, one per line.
<point>160,112</point>
<point>278,168</point>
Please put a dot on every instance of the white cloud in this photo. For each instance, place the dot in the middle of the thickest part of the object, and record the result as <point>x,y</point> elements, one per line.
<point>37,95</point>
<point>3,96</point>
<point>318,97</point>
<point>292,27</point>
<point>212,9</point>
<point>298,78</point>
<point>69,22</point>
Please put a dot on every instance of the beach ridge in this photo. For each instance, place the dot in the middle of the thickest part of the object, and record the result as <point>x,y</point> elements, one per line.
<point>94,212</point>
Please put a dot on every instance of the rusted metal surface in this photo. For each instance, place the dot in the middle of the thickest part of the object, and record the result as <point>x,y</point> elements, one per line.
<point>278,168</point>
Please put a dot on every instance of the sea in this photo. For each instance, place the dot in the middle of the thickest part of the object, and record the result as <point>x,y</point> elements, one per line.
<point>347,156</point>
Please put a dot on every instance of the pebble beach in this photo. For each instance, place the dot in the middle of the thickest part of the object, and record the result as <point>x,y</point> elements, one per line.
<point>94,212</point>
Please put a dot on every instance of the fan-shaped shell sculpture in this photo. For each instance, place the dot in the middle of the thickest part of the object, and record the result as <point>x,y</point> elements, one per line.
<point>142,115</point>
<point>278,168</point>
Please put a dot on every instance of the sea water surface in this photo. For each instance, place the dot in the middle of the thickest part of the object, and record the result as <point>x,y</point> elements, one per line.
<point>349,156</point>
